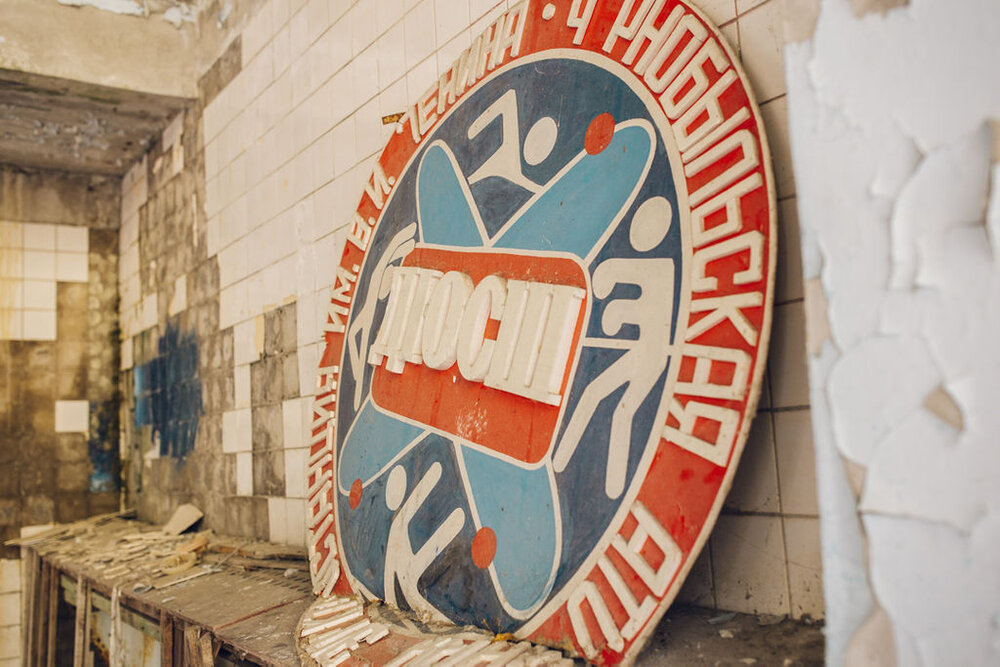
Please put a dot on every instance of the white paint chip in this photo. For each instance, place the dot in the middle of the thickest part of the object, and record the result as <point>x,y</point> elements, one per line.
<point>72,417</point>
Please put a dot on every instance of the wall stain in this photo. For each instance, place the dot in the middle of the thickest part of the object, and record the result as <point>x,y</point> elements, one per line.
<point>167,392</point>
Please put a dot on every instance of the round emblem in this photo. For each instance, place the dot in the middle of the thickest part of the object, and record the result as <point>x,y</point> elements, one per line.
<point>546,336</point>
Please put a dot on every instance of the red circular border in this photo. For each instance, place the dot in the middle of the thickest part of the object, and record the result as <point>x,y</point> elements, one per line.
<point>682,491</point>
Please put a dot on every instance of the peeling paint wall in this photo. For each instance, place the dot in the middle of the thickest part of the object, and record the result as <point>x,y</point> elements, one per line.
<point>893,110</point>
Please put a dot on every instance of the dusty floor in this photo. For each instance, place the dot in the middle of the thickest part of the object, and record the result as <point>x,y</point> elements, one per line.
<point>698,636</point>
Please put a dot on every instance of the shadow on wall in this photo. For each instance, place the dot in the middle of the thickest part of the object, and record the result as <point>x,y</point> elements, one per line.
<point>167,392</point>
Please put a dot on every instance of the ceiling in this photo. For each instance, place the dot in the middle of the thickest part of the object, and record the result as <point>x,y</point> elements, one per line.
<point>54,123</point>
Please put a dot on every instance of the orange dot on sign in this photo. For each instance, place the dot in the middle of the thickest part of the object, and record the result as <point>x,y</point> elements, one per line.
<point>599,133</point>
<point>355,497</point>
<point>484,547</point>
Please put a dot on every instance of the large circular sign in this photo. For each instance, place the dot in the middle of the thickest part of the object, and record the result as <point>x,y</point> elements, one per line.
<point>547,332</point>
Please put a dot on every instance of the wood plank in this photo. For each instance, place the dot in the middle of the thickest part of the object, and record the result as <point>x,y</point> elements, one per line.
<point>166,639</point>
<point>81,636</point>
<point>52,610</point>
<point>40,629</point>
<point>28,586</point>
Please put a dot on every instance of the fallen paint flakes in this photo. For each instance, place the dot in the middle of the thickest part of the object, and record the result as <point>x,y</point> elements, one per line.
<point>336,627</point>
<point>183,518</point>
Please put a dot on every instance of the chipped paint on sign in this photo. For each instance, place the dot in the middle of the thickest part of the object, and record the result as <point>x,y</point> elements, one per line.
<point>546,336</point>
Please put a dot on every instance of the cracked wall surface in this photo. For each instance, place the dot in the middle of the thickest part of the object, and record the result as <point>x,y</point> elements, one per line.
<point>892,118</point>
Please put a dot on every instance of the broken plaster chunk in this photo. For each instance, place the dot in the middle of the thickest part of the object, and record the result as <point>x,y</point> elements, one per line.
<point>183,518</point>
<point>881,7</point>
<point>817,321</point>
<point>944,406</point>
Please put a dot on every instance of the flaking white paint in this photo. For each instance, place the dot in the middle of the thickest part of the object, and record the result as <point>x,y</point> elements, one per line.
<point>890,120</point>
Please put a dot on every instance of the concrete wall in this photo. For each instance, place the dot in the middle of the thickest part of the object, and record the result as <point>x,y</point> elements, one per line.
<point>291,124</point>
<point>58,349</point>
<point>894,109</point>
<point>58,360</point>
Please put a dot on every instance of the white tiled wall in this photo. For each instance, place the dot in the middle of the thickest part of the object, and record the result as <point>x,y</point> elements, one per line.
<point>288,145</point>
<point>33,257</point>
<point>135,312</point>
<point>764,554</point>
<point>10,612</point>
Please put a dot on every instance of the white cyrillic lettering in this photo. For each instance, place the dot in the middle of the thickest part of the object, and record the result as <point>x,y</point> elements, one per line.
<point>707,357</point>
<point>692,82</point>
<point>474,353</point>
<point>718,451</point>
<point>752,241</point>
<point>741,139</point>
<point>580,20</point>
<point>443,318</point>
<point>723,308</point>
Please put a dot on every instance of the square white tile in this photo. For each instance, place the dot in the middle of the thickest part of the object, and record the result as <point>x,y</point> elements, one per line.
<point>71,267</point>
<point>241,386</point>
<point>387,12</point>
<point>775,116</point>
<point>451,17</point>
<point>10,608</point>
<point>244,474</point>
<point>70,238</point>
<point>805,568</point>
<point>718,11</point>
<point>748,559</point>
<point>796,462</point>
<point>291,414</point>
<point>11,235</point>
<point>295,472</point>
<point>788,281</point>
<point>277,520</point>
<point>12,294</point>
<point>787,358</point>
<point>38,236</point>
<point>296,522</point>
<point>761,42</point>
<point>72,417</point>
<point>755,486</point>
<point>40,264</point>
<point>698,588</point>
<point>10,642</point>
<point>40,294</point>
<point>39,325</point>
<point>11,263</point>
<point>11,324</point>
<point>10,575</point>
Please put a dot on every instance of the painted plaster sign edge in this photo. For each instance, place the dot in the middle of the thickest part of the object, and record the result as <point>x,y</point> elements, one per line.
<point>600,615</point>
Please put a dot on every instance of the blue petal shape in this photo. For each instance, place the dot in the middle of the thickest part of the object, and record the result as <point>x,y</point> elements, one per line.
<point>574,211</point>
<point>518,505</point>
<point>375,440</point>
<point>445,208</point>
